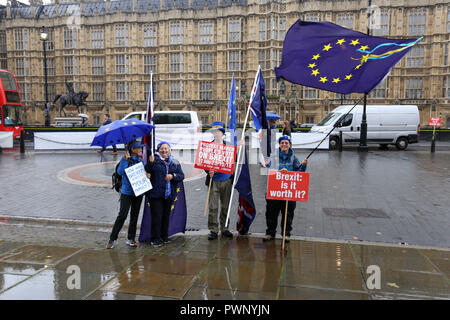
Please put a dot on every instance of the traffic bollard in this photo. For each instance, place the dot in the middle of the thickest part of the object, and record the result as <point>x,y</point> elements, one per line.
<point>22,141</point>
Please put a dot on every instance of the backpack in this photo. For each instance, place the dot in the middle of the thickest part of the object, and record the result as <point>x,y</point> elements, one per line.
<point>117,178</point>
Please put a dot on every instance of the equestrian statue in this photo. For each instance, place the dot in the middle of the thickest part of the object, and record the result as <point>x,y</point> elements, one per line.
<point>75,99</point>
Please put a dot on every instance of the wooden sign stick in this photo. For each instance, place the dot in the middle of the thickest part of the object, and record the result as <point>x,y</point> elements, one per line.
<point>285,221</point>
<point>207,197</point>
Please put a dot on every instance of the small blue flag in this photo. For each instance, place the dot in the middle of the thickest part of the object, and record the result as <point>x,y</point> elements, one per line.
<point>326,56</point>
<point>232,112</point>
<point>258,103</point>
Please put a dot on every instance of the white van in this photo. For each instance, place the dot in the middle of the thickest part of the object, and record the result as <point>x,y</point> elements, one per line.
<point>398,125</point>
<point>167,121</point>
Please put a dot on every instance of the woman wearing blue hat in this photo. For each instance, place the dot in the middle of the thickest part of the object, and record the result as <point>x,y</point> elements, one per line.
<point>165,173</point>
<point>286,161</point>
<point>127,197</point>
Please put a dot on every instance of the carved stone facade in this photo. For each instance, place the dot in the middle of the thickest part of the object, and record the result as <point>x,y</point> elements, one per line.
<point>194,46</point>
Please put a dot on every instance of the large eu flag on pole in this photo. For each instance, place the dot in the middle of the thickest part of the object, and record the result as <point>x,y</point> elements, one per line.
<point>246,209</point>
<point>326,56</point>
<point>232,112</point>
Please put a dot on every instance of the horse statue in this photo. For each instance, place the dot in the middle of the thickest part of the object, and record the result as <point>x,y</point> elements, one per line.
<point>77,99</point>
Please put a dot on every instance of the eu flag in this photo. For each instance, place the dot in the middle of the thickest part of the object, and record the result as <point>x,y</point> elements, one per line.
<point>326,56</point>
<point>246,209</point>
<point>232,111</point>
<point>177,220</point>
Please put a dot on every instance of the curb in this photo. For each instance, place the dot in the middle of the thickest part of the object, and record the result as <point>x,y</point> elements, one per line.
<point>53,222</point>
<point>15,220</point>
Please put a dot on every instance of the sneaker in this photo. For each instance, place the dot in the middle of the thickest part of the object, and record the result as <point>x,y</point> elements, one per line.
<point>156,243</point>
<point>287,239</point>
<point>131,243</point>
<point>268,238</point>
<point>110,244</point>
<point>167,240</point>
<point>227,234</point>
<point>212,235</point>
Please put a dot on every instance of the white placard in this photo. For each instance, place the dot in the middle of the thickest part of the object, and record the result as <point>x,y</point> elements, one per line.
<point>6,139</point>
<point>138,179</point>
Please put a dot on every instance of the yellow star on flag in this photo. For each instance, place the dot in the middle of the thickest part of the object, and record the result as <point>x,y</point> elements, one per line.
<point>327,47</point>
<point>315,57</point>
<point>172,207</point>
<point>315,72</point>
<point>312,65</point>
<point>336,80</point>
<point>178,189</point>
<point>364,48</point>
<point>358,66</point>
<point>348,77</point>
<point>364,58</point>
<point>354,42</point>
<point>323,79</point>
<point>340,41</point>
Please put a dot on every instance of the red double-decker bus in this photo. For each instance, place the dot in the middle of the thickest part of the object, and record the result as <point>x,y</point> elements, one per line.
<point>11,109</point>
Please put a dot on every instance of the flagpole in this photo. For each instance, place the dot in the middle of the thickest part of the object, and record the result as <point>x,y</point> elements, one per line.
<point>240,147</point>
<point>333,129</point>
<point>152,108</point>
<point>285,221</point>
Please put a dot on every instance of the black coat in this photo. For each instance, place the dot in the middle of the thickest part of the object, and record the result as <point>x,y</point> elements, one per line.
<point>157,169</point>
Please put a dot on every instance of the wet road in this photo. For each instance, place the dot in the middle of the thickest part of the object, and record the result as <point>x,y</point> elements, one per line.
<point>384,196</point>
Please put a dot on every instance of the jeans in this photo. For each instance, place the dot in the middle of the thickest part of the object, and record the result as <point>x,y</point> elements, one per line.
<point>126,202</point>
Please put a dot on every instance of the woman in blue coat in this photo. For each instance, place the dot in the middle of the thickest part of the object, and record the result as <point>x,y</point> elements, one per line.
<point>286,161</point>
<point>165,173</point>
<point>128,199</point>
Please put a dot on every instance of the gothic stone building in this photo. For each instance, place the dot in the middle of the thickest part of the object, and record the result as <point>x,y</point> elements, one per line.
<point>193,47</point>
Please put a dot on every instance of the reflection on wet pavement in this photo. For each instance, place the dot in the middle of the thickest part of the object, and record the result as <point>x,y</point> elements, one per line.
<point>244,268</point>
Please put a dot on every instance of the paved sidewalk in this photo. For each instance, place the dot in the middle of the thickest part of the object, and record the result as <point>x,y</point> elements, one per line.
<point>37,261</point>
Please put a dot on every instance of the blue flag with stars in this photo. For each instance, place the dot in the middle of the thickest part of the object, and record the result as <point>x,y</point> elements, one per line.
<point>326,56</point>
<point>232,112</point>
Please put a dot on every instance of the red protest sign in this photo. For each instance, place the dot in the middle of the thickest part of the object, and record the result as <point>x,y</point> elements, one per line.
<point>215,156</point>
<point>288,185</point>
<point>435,122</point>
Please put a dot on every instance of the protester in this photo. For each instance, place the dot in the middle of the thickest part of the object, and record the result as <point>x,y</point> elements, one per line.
<point>220,192</point>
<point>165,173</point>
<point>286,161</point>
<point>286,128</point>
<point>127,197</point>
<point>107,120</point>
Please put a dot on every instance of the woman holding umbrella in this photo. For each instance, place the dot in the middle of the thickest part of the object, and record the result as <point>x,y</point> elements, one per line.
<point>165,173</point>
<point>127,197</point>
